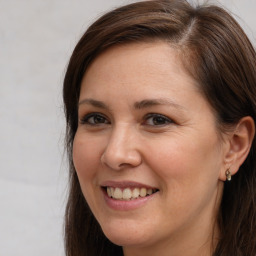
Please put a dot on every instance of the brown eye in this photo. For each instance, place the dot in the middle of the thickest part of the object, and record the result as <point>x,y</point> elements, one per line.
<point>94,119</point>
<point>157,120</point>
<point>98,119</point>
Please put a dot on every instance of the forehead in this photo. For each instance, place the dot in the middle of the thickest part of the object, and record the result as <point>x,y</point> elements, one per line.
<point>142,63</point>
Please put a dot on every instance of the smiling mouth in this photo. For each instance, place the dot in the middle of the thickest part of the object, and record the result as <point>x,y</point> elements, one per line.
<point>128,193</point>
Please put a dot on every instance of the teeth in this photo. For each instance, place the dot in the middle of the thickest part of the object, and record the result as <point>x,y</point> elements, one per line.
<point>118,194</point>
<point>150,191</point>
<point>109,191</point>
<point>136,193</point>
<point>127,193</point>
<point>143,192</point>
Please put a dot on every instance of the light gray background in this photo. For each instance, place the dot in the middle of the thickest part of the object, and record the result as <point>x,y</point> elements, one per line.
<point>36,40</point>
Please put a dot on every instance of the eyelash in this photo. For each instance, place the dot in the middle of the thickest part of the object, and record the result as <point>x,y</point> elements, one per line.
<point>85,120</point>
<point>163,119</point>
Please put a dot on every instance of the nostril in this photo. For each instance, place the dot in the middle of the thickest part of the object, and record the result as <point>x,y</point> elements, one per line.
<point>120,160</point>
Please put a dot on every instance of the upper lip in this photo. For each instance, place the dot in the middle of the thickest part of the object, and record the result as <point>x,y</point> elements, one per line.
<point>125,184</point>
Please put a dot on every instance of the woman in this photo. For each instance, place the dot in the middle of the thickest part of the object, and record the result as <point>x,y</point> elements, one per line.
<point>160,103</point>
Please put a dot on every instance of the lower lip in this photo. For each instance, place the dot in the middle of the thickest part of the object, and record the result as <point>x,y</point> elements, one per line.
<point>126,205</point>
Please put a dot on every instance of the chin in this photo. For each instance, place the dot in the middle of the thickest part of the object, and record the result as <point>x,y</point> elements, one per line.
<point>125,236</point>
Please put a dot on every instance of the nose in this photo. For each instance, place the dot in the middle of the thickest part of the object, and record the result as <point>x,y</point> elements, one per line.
<point>122,149</point>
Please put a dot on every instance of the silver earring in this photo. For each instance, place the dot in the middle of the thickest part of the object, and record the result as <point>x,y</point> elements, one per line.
<point>228,175</point>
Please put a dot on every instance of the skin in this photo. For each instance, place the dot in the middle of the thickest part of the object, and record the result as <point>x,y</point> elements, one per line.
<point>180,153</point>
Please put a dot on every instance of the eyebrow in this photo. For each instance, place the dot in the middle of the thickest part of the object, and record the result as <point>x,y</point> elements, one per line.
<point>147,103</point>
<point>156,102</point>
<point>95,103</point>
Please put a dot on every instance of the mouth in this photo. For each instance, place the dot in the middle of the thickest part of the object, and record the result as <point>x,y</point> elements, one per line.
<point>128,194</point>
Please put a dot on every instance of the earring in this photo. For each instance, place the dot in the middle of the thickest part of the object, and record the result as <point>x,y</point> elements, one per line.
<point>228,175</point>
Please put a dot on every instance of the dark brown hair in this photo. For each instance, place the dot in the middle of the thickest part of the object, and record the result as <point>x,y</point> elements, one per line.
<point>218,54</point>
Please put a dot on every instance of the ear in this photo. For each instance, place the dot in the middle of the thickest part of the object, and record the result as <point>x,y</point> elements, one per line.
<point>239,145</point>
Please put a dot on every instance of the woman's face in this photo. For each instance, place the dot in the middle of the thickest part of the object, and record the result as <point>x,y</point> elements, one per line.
<point>146,151</point>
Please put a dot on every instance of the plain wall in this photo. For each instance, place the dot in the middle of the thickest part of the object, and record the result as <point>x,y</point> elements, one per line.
<point>36,40</point>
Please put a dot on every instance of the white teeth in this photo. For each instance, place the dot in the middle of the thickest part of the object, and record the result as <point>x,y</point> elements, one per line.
<point>143,192</point>
<point>136,193</point>
<point>118,194</point>
<point>127,193</point>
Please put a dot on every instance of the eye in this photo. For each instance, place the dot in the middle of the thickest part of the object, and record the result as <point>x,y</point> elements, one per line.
<point>157,120</point>
<point>94,119</point>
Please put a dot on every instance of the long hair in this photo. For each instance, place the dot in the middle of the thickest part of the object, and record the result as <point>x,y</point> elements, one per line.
<point>217,53</point>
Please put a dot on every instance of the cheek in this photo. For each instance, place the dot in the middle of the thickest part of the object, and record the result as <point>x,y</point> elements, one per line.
<point>188,174</point>
<point>184,164</point>
<point>86,157</point>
